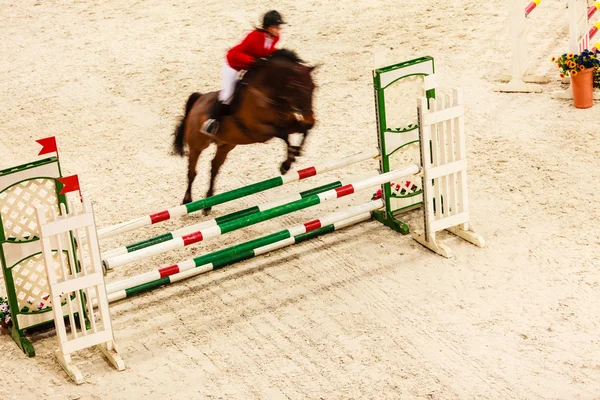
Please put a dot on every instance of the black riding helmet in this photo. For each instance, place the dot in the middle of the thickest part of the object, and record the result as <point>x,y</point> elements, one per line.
<point>272,18</point>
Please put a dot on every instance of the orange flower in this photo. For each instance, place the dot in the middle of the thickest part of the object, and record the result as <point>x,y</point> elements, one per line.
<point>553,59</point>
<point>574,73</point>
<point>581,67</point>
<point>570,55</point>
<point>562,76</point>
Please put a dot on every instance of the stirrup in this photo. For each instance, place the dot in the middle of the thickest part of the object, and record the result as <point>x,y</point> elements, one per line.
<point>210,127</point>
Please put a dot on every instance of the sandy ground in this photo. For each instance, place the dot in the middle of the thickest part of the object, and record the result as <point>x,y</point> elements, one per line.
<point>363,313</point>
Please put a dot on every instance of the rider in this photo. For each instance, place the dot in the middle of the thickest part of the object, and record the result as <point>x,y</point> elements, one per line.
<point>257,44</point>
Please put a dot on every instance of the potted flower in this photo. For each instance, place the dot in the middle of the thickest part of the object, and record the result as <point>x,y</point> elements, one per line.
<point>583,69</point>
<point>4,312</point>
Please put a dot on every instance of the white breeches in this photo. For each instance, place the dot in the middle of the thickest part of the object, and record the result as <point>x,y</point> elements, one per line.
<point>228,81</point>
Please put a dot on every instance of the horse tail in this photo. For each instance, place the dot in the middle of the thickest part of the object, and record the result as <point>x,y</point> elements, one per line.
<point>179,141</point>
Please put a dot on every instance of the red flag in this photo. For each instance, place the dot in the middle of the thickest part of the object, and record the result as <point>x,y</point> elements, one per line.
<point>48,145</point>
<point>70,184</point>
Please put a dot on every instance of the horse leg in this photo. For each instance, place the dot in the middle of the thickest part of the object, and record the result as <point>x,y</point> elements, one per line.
<point>193,156</point>
<point>292,153</point>
<point>299,147</point>
<point>286,165</point>
<point>222,150</point>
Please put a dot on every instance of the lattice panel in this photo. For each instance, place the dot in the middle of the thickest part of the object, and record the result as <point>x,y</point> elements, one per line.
<point>409,154</point>
<point>31,282</point>
<point>405,188</point>
<point>400,104</point>
<point>18,207</point>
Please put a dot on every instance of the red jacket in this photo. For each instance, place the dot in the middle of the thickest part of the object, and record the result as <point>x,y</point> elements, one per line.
<point>255,45</point>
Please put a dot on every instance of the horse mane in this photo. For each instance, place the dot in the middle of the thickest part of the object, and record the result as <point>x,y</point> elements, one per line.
<point>279,54</point>
<point>287,55</point>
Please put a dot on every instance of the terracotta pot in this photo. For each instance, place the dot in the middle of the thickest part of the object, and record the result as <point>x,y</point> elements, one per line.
<point>583,88</point>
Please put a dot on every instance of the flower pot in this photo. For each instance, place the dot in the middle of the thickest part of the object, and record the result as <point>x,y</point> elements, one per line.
<point>583,88</point>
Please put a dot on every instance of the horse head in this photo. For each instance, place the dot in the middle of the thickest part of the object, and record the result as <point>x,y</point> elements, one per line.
<point>293,84</point>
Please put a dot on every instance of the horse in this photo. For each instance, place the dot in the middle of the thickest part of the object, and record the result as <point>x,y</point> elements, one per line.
<point>272,100</point>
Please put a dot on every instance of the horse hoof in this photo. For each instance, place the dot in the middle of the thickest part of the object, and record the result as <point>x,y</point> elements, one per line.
<point>284,169</point>
<point>186,200</point>
<point>206,211</point>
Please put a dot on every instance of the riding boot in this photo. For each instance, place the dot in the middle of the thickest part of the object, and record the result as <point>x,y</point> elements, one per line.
<point>211,126</point>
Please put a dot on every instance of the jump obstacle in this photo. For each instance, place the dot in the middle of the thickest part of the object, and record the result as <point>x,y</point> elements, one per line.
<point>582,30</point>
<point>78,277</point>
<point>437,131</point>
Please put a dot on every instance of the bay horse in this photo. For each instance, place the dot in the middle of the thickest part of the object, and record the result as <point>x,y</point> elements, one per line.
<point>273,100</point>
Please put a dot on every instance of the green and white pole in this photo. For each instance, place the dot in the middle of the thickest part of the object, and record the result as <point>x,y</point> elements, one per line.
<point>221,258</point>
<point>244,191</point>
<point>229,217</point>
<point>252,219</point>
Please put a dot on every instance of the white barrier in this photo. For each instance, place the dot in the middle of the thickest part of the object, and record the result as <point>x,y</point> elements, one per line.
<point>581,35</point>
<point>73,286</point>
<point>519,81</point>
